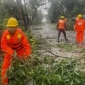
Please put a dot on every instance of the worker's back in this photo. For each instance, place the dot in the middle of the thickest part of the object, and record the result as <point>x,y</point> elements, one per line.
<point>61,24</point>
<point>80,25</point>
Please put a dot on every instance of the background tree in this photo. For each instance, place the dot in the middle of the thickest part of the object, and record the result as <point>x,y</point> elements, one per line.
<point>27,12</point>
<point>68,8</point>
<point>35,4</point>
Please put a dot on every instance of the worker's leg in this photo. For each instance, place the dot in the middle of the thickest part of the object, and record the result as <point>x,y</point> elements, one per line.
<point>5,66</point>
<point>80,38</point>
<point>63,31</point>
<point>59,32</point>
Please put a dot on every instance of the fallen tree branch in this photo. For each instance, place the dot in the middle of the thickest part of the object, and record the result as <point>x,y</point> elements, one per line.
<point>57,55</point>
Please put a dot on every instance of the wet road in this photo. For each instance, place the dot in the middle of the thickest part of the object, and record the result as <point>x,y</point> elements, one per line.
<point>49,33</point>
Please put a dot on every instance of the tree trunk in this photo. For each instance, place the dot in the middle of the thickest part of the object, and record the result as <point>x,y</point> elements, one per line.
<point>34,14</point>
<point>26,14</point>
<point>22,13</point>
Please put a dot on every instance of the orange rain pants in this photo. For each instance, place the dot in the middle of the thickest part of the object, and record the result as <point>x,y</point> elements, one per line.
<point>6,64</point>
<point>23,52</point>
<point>79,28</point>
<point>80,36</point>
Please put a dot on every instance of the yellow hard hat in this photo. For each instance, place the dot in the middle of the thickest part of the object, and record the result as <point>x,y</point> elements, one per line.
<point>79,16</point>
<point>62,17</point>
<point>12,22</point>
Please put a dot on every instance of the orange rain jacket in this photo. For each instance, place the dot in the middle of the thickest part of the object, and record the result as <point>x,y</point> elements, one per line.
<point>16,42</point>
<point>10,43</point>
<point>61,24</point>
<point>79,28</point>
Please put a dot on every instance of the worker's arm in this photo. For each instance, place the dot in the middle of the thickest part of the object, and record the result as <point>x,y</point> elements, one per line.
<point>65,26</point>
<point>4,45</point>
<point>57,24</point>
<point>76,26</point>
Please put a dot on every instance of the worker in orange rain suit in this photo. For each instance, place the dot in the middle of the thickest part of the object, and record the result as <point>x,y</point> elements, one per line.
<point>61,26</point>
<point>13,39</point>
<point>79,28</point>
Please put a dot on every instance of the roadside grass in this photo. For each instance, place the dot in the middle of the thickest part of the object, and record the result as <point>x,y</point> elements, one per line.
<point>67,47</point>
<point>70,48</point>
